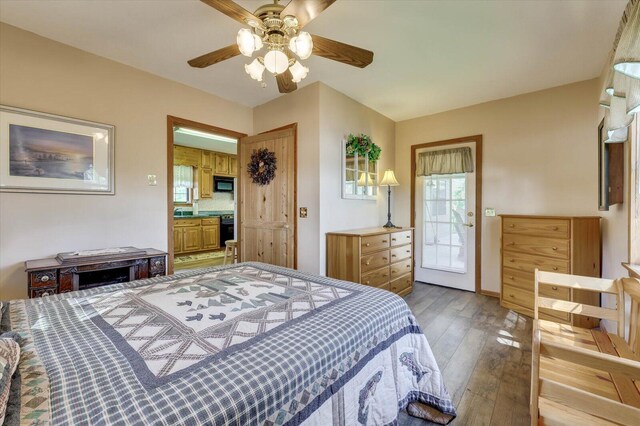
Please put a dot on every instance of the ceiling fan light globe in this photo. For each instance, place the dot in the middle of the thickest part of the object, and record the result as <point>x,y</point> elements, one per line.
<point>276,61</point>
<point>246,42</point>
<point>302,45</point>
<point>255,70</point>
<point>298,72</point>
<point>257,43</point>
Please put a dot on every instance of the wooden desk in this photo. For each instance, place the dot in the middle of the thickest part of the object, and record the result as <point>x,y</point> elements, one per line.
<point>60,275</point>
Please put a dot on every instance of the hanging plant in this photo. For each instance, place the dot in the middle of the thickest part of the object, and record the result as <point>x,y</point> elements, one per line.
<point>262,167</point>
<point>362,145</point>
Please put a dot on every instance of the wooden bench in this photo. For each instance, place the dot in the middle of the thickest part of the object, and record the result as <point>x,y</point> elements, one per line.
<point>585,376</point>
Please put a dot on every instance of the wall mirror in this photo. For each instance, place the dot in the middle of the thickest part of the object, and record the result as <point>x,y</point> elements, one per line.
<point>359,175</point>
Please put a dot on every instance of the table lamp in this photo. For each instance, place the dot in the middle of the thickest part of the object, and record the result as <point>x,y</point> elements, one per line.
<point>389,180</point>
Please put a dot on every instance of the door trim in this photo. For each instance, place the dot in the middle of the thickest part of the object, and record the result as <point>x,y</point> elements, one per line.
<point>294,127</point>
<point>173,121</point>
<point>477,139</point>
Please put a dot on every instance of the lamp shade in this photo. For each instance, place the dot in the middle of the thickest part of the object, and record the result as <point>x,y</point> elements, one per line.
<point>247,42</point>
<point>627,58</point>
<point>298,72</point>
<point>255,69</point>
<point>276,61</point>
<point>302,45</point>
<point>389,179</point>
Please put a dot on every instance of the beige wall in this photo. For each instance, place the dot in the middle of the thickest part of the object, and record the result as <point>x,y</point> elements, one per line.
<point>43,75</point>
<point>301,107</point>
<point>339,116</point>
<point>539,157</point>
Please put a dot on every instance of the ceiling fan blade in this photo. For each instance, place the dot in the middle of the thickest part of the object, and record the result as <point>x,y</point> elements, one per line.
<point>285,82</point>
<point>341,52</point>
<point>305,10</point>
<point>233,10</point>
<point>215,56</point>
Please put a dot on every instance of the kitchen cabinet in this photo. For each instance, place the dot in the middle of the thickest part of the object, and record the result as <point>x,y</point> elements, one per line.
<point>221,164</point>
<point>233,166</point>
<point>177,240</point>
<point>193,235</point>
<point>185,156</point>
<point>192,238</point>
<point>207,159</point>
<point>205,183</point>
<point>210,233</point>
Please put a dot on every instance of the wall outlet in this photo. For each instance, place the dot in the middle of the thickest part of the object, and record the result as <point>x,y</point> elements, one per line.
<point>489,212</point>
<point>303,212</point>
<point>152,180</point>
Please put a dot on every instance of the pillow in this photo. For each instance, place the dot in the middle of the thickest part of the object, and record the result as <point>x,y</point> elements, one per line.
<point>9,357</point>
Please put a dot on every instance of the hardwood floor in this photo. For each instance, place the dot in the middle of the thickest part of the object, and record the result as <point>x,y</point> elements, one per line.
<point>484,353</point>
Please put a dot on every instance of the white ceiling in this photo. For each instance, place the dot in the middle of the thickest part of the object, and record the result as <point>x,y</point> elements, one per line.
<point>430,56</point>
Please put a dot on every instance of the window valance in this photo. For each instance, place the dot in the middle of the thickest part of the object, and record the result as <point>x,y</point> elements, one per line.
<point>445,162</point>
<point>621,92</point>
<point>182,177</point>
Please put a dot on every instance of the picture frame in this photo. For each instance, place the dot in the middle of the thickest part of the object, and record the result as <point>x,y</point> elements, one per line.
<point>47,153</point>
<point>610,171</point>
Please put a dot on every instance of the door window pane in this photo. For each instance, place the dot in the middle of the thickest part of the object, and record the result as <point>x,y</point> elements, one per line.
<point>444,213</point>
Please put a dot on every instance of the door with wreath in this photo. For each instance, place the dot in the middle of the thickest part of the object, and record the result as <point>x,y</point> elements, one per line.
<point>267,204</point>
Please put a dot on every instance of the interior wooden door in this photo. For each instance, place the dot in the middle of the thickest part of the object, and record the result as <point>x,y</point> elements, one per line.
<point>267,212</point>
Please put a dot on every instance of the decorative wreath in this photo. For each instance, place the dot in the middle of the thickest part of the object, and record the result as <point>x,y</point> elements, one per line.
<point>262,167</point>
<point>363,145</point>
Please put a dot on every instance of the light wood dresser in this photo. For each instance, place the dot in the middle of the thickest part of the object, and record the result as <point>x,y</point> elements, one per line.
<point>378,257</point>
<point>563,244</point>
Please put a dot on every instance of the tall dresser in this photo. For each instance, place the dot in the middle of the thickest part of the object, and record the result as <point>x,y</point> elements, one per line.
<point>378,257</point>
<point>550,243</point>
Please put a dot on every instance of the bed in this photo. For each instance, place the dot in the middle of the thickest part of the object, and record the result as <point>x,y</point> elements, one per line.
<point>235,345</point>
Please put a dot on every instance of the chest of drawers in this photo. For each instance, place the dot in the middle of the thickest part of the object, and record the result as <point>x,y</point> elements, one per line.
<point>550,243</point>
<point>377,257</point>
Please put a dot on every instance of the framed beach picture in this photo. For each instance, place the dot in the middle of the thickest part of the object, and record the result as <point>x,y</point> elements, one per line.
<point>53,154</point>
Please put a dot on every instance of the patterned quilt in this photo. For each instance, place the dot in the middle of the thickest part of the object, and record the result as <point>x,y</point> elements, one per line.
<point>236,345</point>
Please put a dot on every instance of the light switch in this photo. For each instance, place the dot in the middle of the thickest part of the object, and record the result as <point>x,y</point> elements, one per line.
<point>489,212</point>
<point>152,180</point>
<point>303,212</point>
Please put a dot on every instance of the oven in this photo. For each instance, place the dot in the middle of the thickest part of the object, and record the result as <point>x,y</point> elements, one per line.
<point>226,228</point>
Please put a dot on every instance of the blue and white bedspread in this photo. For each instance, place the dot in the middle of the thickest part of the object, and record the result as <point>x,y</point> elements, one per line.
<point>243,344</point>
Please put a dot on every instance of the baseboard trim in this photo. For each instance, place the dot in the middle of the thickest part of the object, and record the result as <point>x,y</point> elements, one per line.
<point>490,293</point>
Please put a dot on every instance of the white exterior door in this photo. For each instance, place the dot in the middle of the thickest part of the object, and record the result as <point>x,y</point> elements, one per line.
<point>445,227</point>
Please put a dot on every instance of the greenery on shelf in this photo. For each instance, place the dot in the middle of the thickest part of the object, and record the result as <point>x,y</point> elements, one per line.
<point>363,145</point>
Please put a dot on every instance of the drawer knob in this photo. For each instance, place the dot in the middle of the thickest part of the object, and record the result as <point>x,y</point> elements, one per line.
<point>554,248</point>
<point>555,268</point>
<point>393,239</point>
<point>511,226</point>
<point>44,278</point>
<point>555,228</point>
<point>512,243</point>
<point>408,251</point>
<point>408,236</point>
<point>511,295</point>
<point>368,245</point>
<point>512,278</point>
<point>554,288</point>
<point>393,255</point>
<point>512,260</point>
<point>368,263</point>
<point>384,241</point>
<point>408,266</point>
<point>158,263</point>
<point>367,282</point>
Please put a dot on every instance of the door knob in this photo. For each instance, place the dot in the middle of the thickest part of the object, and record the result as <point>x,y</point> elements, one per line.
<point>470,225</point>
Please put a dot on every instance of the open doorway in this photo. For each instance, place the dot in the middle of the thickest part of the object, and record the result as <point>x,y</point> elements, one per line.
<point>202,170</point>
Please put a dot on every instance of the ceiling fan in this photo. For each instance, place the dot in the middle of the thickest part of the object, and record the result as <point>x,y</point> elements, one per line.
<point>278,28</point>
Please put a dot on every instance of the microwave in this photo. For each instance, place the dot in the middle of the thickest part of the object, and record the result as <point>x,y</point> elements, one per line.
<point>222,184</point>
